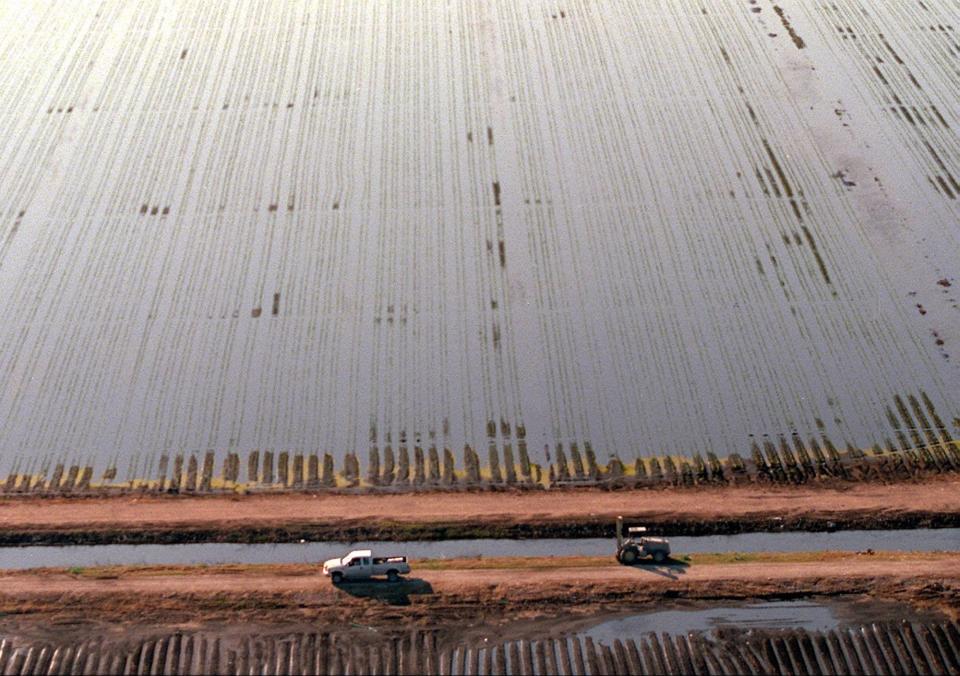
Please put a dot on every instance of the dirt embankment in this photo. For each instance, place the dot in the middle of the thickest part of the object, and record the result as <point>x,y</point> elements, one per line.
<point>462,590</point>
<point>570,513</point>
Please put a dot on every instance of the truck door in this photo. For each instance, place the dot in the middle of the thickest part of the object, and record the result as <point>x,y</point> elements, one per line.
<point>359,568</point>
<point>354,568</point>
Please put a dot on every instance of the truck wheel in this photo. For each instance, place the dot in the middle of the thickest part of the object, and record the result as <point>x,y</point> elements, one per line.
<point>393,576</point>
<point>659,557</point>
<point>629,555</point>
<point>337,577</point>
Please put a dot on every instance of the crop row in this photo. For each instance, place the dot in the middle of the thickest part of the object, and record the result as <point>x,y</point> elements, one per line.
<point>432,468</point>
<point>932,648</point>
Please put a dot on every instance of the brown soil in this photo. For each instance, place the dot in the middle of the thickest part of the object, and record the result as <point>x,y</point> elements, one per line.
<point>437,515</point>
<point>459,590</point>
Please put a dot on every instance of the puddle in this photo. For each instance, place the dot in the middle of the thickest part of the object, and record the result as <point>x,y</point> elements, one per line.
<point>768,615</point>
<point>802,614</point>
<point>923,540</point>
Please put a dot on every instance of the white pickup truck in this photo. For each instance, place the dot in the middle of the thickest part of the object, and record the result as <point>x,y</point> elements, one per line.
<point>361,564</point>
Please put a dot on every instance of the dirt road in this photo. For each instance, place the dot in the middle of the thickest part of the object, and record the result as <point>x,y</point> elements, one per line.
<point>459,589</point>
<point>436,515</point>
<point>461,579</point>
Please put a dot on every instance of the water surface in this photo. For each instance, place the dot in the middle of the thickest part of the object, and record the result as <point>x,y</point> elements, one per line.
<point>321,226</point>
<point>947,539</point>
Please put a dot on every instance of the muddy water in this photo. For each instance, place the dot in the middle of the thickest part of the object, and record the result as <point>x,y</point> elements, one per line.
<point>896,648</point>
<point>680,618</point>
<point>513,646</point>
<point>36,557</point>
<point>774,615</point>
<point>654,227</point>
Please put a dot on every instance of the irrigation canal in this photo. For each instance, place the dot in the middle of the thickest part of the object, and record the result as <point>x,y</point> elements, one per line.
<point>926,540</point>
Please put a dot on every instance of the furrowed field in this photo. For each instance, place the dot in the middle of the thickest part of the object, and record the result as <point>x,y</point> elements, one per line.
<point>581,230</point>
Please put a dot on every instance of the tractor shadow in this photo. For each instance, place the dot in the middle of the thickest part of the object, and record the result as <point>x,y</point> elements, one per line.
<point>393,593</point>
<point>671,569</point>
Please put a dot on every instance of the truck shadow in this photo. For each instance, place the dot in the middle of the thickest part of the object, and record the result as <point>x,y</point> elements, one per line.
<point>671,568</point>
<point>393,593</point>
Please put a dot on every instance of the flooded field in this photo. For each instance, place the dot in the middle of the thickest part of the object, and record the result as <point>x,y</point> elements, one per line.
<point>814,644</point>
<point>654,227</point>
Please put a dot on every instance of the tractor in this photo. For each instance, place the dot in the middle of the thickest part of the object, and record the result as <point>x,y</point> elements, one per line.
<point>636,544</point>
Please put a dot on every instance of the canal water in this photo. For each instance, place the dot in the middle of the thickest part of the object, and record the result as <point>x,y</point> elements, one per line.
<point>923,540</point>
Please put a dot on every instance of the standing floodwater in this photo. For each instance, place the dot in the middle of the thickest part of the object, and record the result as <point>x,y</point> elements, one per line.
<point>635,227</point>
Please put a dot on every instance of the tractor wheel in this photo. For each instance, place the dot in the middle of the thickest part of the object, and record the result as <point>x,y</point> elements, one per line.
<point>659,556</point>
<point>337,577</point>
<point>393,576</point>
<point>629,555</point>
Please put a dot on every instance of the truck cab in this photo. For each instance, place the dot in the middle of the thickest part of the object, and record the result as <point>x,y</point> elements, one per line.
<point>357,564</point>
